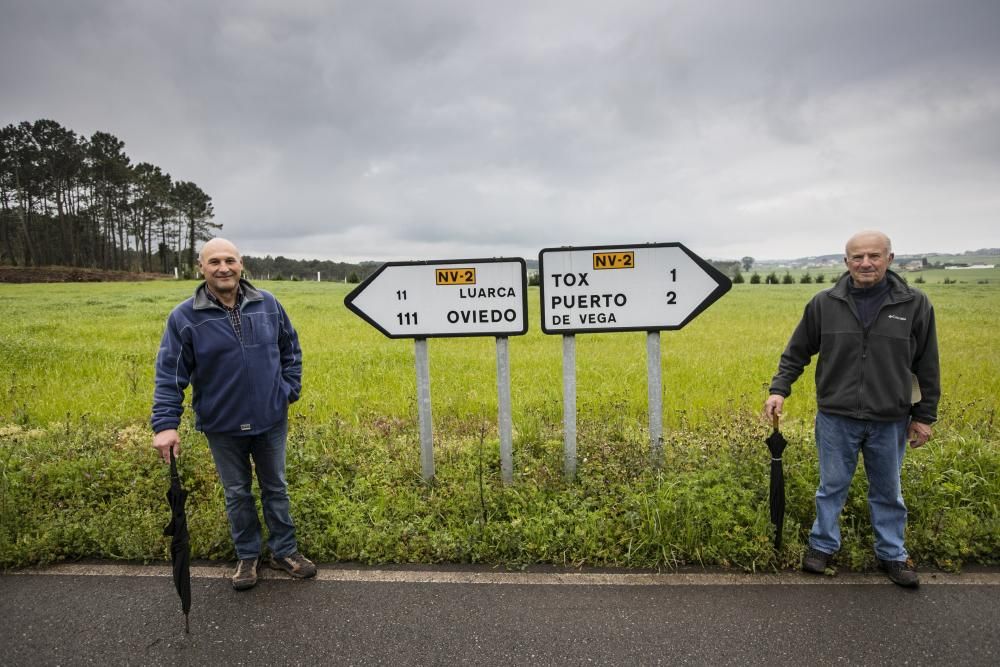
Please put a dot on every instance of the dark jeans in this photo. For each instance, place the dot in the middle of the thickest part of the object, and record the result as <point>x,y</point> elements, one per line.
<point>233,456</point>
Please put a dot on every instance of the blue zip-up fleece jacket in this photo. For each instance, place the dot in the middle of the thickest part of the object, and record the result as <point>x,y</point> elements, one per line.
<point>866,372</point>
<point>239,387</point>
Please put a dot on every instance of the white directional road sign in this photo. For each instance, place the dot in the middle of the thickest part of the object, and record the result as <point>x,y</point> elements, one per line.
<point>649,287</point>
<point>452,297</point>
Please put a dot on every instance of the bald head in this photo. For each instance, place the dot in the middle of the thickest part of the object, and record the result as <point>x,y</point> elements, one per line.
<point>218,244</point>
<point>869,237</point>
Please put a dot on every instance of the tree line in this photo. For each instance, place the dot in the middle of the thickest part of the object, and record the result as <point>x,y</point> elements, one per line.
<point>773,279</point>
<point>70,200</point>
<point>284,268</point>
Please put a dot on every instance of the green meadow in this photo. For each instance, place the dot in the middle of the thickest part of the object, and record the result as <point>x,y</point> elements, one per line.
<point>79,479</point>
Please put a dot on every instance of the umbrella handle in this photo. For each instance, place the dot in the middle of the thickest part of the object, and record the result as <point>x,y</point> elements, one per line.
<point>774,422</point>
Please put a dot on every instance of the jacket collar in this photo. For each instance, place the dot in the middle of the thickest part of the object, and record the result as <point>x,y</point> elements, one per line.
<point>202,302</point>
<point>898,289</point>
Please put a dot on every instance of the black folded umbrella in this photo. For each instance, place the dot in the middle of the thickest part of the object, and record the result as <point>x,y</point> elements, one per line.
<point>777,443</point>
<point>180,544</point>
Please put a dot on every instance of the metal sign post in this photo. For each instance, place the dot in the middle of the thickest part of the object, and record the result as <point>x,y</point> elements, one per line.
<point>424,408</point>
<point>504,419</point>
<point>569,405</point>
<point>650,287</point>
<point>449,298</point>
<point>654,390</point>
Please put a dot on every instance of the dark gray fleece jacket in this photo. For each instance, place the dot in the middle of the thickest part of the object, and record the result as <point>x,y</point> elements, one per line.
<point>866,373</point>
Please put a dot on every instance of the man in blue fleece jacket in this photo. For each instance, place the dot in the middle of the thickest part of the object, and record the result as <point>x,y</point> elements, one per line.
<point>877,388</point>
<point>237,348</point>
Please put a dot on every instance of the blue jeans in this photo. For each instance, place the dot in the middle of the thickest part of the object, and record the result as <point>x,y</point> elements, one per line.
<point>232,454</point>
<point>883,444</point>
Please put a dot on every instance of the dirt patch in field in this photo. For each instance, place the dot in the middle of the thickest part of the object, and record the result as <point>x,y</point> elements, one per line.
<point>70,274</point>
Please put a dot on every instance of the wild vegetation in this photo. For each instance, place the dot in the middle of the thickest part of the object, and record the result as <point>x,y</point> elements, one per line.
<point>78,477</point>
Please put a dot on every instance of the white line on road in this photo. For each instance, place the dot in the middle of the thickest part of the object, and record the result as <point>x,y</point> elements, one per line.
<point>524,578</point>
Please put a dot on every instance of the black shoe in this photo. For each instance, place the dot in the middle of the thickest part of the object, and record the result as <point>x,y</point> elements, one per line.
<point>246,574</point>
<point>294,564</point>
<point>816,561</point>
<point>901,572</point>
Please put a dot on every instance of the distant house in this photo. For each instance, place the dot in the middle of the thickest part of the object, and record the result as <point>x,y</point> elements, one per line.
<point>915,265</point>
<point>972,266</point>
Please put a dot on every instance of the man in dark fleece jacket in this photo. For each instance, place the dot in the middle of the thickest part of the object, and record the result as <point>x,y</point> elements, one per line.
<point>877,388</point>
<point>237,347</point>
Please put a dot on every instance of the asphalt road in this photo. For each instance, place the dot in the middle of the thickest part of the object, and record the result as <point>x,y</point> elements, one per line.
<point>110,615</point>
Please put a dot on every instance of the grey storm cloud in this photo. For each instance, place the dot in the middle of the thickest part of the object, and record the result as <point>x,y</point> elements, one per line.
<point>396,130</point>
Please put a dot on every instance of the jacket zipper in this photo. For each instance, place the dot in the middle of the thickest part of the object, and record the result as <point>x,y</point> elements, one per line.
<point>243,353</point>
<point>861,379</point>
<point>247,380</point>
<point>865,331</point>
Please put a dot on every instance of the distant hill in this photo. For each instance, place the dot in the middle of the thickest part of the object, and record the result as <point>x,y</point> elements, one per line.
<point>283,268</point>
<point>981,256</point>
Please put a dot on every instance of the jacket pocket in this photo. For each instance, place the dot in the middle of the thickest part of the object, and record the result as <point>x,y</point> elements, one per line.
<point>888,378</point>
<point>838,372</point>
<point>260,329</point>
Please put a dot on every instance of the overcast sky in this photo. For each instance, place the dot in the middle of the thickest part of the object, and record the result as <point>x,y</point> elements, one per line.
<point>460,129</point>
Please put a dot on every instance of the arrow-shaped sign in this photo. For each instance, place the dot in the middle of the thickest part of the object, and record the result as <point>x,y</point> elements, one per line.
<point>451,297</point>
<point>649,287</point>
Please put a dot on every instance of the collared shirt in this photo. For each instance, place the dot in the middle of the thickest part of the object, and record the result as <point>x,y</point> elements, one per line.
<point>234,312</point>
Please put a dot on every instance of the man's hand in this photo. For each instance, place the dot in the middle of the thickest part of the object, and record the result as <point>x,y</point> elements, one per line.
<point>773,405</point>
<point>919,434</point>
<point>166,440</point>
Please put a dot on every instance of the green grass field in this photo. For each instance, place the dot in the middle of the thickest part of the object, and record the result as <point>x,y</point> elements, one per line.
<point>78,477</point>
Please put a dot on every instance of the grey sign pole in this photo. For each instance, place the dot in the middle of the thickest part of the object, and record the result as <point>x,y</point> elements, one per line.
<point>569,406</point>
<point>424,408</point>
<point>654,373</point>
<point>504,418</point>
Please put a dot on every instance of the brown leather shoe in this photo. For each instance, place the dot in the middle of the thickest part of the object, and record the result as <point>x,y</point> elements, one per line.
<point>245,577</point>
<point>294,564</point>
<point>816,561</point>
<point>901,572</point>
